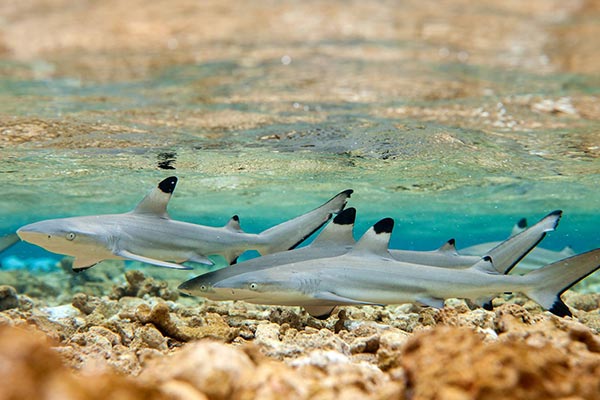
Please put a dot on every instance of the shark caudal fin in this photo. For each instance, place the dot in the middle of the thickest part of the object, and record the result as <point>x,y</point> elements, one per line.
<point>508,253</point>
<point>290,234</point>
<point>549,282</point>
<point>8,240</point>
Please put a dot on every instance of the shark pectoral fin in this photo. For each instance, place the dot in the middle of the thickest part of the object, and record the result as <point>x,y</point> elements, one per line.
<point>231,257</point>
<point>200,259</point>
<point>319,312</point>
<point>433,302</point>
<point>82,263</point>
<point>341,300</point>
<point>159,263</point>
<point>485,303</point>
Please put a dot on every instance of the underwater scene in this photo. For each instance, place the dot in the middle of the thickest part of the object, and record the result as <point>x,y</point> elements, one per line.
<point>281,199</point>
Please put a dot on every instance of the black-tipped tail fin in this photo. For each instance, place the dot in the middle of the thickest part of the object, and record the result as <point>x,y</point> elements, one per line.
<point>550,281</point>
<point>508,253</point>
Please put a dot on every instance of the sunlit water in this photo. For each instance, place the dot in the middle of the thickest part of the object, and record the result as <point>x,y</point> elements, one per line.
<point>448,144</point>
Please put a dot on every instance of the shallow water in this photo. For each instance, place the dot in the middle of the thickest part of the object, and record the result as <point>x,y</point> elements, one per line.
<point>452,134</point>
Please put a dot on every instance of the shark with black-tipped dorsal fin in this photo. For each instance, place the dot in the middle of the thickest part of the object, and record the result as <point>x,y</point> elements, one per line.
<point>368,275</point>
<point>337,239</point>
<point>147,234</point>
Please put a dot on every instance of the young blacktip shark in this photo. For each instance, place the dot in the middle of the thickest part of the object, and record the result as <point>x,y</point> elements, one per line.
<point>369,275</point>
<point>8,240</point>
<point>149,235</point>
<point>538,257</point>
<point>337,239</point>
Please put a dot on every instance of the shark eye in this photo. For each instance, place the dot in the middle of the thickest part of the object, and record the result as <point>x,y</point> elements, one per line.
<point>70,236</point>
<point>203,288</point>
<point>253,286</point>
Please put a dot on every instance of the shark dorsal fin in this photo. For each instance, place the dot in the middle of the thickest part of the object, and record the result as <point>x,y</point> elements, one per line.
<point>519,227</point>
<point>156,201</point>
<point>234,224</point>
<point>448,247</point>
<point>338,231</point>
<point>567,251</point>
<point>376,240</point>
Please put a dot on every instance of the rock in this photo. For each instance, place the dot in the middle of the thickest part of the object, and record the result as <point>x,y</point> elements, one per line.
<point>463,365</point>
<point>35,371</point>
<point>211,368</point>
<point>171,325</point>
<point>138,285</point>
<point>8,298</point>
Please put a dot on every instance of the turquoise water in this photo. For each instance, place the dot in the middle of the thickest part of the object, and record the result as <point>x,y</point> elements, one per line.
<point>269,142</point>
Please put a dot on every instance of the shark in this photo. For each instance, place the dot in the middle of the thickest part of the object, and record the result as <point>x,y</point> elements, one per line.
<point>337,239</point>
<point>369,275</point>
<point>149,235</point>
<point>538,257</point>
<point>8,240</point>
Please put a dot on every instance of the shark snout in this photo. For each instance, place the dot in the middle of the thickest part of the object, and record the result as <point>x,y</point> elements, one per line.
<point>32,233</point>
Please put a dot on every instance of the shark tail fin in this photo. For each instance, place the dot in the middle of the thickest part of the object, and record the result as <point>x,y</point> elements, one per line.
<point>290,234</point>
<point>8,240</point>
<point>508,253</point>
<point>550,281</point>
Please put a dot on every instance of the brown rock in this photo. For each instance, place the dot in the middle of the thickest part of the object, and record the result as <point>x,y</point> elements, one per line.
<point>8,298</point>
<point>32,370</point>
<point>463,366</point>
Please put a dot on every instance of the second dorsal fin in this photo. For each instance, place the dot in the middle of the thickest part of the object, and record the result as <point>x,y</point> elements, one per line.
<point>448,247</point>
<point>156,201</point>
<point>234,224</point>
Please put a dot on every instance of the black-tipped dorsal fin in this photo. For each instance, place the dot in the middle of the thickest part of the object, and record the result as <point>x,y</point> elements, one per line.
<point>448,247</point>
<point>156,201</point>
<point>376,240</point>
<point>338,231</point>
<point>234,224</point>
<point>519,227</point>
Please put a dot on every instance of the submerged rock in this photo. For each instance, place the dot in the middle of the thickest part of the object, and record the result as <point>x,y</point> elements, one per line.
<point>8,298</point>
<point>139,285</point>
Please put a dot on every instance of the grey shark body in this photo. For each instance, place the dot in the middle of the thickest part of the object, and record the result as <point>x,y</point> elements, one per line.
<point>149,235</point>
<point>337,239</point>
<point>369,275</point>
